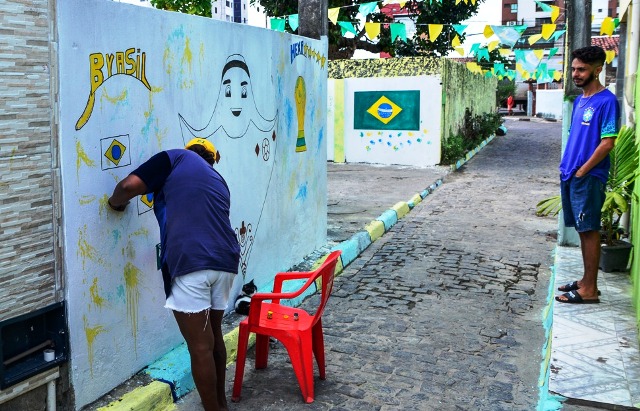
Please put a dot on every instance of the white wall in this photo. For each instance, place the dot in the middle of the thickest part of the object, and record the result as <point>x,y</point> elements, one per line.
<point>331,113</point>
<point>172,67</point>
<point>419,147</point>
<point>550,102</point>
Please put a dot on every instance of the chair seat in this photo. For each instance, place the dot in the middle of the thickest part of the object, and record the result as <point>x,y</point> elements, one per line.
<point>281,319</point>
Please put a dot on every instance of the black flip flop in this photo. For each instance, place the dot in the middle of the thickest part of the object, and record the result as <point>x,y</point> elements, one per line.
<point>571,287</point>
<point>572,297</point>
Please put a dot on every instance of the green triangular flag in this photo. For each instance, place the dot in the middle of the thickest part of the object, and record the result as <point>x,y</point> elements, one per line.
<point>552,52</point>
<point>543,6</point>
<point>367,8</point>
<point>277,24</point>
<point>293,22</point>
<point>520,28</point>
<point>346,26</point>
<point>398,30</point>
<point>459,28</point>
<point>483,54</point>
<point>557,34</point>
<point>475,47</point>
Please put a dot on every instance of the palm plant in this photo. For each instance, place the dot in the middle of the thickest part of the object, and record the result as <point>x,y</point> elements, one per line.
<point>622,174</point>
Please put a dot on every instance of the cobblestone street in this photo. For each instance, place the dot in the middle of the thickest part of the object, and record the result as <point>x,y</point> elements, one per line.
<point>444,311</point>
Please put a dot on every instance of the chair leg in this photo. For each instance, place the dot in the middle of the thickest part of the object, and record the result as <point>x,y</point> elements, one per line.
<point>262,351</point>
<point>302,361</point>
<point>318,348</point>
<point>243,342</point>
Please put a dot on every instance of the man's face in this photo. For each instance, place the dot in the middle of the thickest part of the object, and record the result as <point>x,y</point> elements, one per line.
<point>582,73</point>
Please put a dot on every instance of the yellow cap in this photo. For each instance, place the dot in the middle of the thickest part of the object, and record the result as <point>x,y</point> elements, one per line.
<point>208,145</point>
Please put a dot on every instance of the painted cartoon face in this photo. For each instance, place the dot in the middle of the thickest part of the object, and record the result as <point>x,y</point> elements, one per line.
<point>235,90</point>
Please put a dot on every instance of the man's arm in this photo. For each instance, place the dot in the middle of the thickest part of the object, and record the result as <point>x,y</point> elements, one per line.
<point>125,190</point>
<point>601,152</point>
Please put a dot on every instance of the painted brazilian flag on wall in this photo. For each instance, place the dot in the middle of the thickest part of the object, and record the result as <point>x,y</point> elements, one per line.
<point>386,110</point>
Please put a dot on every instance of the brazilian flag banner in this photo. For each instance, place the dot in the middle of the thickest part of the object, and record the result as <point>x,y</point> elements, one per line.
<point>386,110</point>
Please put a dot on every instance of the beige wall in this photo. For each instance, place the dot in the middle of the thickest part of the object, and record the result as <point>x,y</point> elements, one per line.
<point>28,276</point>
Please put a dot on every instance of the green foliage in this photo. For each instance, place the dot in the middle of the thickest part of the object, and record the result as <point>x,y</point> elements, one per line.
<point>445,12</point>
<point>475,129</point>
<point>197,7</point>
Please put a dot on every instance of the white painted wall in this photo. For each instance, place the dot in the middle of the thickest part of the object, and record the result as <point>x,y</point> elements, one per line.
<point>331,113</point>
<point>114,292</point>
<point>550,102</point>
<point>406,147</point>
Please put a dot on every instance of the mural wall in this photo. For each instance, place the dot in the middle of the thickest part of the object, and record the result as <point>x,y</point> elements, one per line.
<point>392,122</point>
<point>135,81</point>
<point>430,97</point>
<point>549,103</point>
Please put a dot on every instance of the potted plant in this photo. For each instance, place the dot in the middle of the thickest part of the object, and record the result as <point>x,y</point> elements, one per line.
<point>614,254</point>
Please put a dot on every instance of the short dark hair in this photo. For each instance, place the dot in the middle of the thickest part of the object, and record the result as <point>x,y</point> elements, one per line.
<point>590,55</point>
<point>199,149</point>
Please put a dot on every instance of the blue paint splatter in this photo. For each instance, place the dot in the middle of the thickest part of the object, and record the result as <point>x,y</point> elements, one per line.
<point>120,292</point>
<point>409,142</point>
<point>372,142</point>
<point>389,143</point>
<point>302,192</point>
<point>419,140</point>
<point>379,140</point>
<point>361,134</point>
<point>320,138</point>
<point>390,136</point>
<point>399,134</point>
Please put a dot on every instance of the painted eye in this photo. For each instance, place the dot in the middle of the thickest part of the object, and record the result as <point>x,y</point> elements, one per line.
<point>244,92</point>
<point>227,91</point>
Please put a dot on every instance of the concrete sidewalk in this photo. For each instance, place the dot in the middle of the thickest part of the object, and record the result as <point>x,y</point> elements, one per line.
<point>480,354</point>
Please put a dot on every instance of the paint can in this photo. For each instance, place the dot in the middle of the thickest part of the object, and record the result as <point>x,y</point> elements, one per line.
<point>49,355</point>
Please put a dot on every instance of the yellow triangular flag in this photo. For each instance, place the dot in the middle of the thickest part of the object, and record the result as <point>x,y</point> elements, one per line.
<point>555,12</point>
<point>434,31</point>
<point>488,31</point>
<point>519,67</point>
<point>607,26</point>
<point>539,53</point>
<point>557,75</point>
<point>526,75</point>
<point>534,38</point>
<point>493,45</point>
<point>610,55</point>
<point>473,2</point>
<point>505,52</point>
<point>458,2</point>
<point>402,3</point>
<point>473,67</point>
<point>333,14</point>
<point>460,51</point>
<point>372,30</point>
<point>455,42</point>
<point>547,30</point>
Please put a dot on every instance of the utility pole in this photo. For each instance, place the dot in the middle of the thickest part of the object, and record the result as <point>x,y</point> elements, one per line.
<point>313,18</point>
<point>578,35</point>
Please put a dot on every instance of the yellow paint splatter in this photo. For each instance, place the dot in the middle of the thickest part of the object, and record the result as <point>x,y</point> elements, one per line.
<point>91,333</point>
<point>187,56</point>
<point>95,296</point>
<point>141,232</point>
<point>131,282</point>
<point>86,250</point>
<point>84,200</point>
<point>82,157</point>
<point>129,251</point>
<point>201,56</point>
<point>116,99</point>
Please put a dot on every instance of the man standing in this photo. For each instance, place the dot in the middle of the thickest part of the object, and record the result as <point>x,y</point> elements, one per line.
<point>584,168</point>
<point>199,252</point>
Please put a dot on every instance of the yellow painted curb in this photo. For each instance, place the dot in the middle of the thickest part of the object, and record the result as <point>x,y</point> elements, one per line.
<point>401,209</point>
<point>416,199</point>
<point>375,229</point>
<point>155,396</point>
<point>231,343</point>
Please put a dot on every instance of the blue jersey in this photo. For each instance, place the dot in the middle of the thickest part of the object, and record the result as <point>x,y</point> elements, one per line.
<point>191,202</point>
<point>593,118</point>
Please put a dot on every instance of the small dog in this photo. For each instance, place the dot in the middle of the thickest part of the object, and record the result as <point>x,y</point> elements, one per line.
<point>244,300</point>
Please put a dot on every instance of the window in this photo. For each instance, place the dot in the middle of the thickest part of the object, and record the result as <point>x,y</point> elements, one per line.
<point>215,10</point>
<point>514,8</point>
<point>512,23</point>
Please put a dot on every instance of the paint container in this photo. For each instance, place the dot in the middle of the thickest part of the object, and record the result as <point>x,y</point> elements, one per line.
<point>269,314</point>
<point>295,316</point>
<point>49,355</point>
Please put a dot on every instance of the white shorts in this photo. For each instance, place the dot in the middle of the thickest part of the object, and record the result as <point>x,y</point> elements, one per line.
<point>199,291</point>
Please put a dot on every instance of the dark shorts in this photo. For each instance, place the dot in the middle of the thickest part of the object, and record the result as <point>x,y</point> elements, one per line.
<point>582,200</point>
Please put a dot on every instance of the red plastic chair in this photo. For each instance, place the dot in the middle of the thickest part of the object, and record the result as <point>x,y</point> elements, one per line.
<point>302,338</point>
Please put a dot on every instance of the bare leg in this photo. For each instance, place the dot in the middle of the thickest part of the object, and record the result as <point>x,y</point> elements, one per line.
<point>220,357</point>
<point>590,247</point>
<point>196,330</point>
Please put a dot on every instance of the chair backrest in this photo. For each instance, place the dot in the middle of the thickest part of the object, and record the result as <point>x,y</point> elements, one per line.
<point>327,272</point>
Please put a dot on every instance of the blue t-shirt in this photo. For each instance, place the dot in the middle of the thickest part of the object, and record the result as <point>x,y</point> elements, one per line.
<point>191,202</point>
<point>593,118</point>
